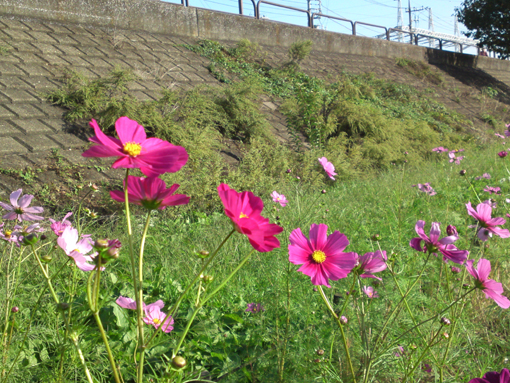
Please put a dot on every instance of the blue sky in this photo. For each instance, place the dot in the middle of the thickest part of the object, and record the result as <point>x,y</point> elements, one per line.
<point>379,12</point>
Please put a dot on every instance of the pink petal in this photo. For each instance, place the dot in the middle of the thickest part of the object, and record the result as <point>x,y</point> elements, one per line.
<point>503,233</point>
<point>102,151</point>
<point>335,244</point>
<point>483,269</point>
<point>415,243</point>
<point>25,200</point>
<point>435,232</point>
<point>126,303</point>
<point>103,139</point>
<point>14,197</point>
<point>419,228</point>
<point>6,207</point>
<point>130,131</point>
<point>318,236</point>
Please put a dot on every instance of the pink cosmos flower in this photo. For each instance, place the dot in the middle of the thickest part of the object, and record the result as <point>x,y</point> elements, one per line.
<point>457,160</point>
<point>491,202</point>
<point>370,292</point>
<point>492,190</point>
<point>455,270</point>
<point>371,263</point>
<point>77,249</point>
<point>254,307</point>
<point>503,154</point>
<point>507,132</point>
<point>280,198</point>
<point>434,244</point>
<point>322,256</point>
<point>328,167</point>
<point>22,231</point>
<point>499,135</point>
<point>8,235</point>
<point>484,175</point>
<point>426,188</point>
<point>488,225</point>
<point>20,210</point>
<point>401,351</point>
<point>440,149</point>
<point>491,288</point>
<point>244,210</point>
<point>130,304</point>
<point>493,377</point>
<point>58,227</point>
<point>151,193</point>
<point>156,317</point>
<point>134,150</point>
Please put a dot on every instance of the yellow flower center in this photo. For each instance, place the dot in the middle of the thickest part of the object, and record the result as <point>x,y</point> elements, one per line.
<point>318,256</point>
<point>156,321</point>
<point>78,251</point>
<point>8,233</point>
<point>132,148</point>
<point>243,215</point>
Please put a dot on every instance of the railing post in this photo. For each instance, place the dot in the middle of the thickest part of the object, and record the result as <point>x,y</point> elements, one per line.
<point>258,10</point>
<point>440,44</point>
<point>354,28</point>
<point>240,7</point>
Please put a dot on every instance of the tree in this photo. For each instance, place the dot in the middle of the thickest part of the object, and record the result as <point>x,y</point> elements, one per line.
<point>489,22</point>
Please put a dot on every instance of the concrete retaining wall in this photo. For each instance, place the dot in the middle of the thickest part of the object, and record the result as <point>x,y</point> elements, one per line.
<point>165,18</point>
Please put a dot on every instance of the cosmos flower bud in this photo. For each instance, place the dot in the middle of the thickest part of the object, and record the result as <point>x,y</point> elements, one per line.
<point>445,321</point>
<point>46,258</point>
<point>320,352</point>
<point>343,319</point>
<point>323,191</point>
<point>451,230</point>
<point>317,360</point>
<point>179,362</point>
<point>208,278</point>
<point>375,237</point>
<point>445,335</point>
<point>62,306</point>
<point>30,239</point>
<point>463,172</point>
<point>113,253</point>
<point>203,254</point>
<point>15,309</point>
<point>288,171</point>
<point>101,244</point>
<point>43,237</point>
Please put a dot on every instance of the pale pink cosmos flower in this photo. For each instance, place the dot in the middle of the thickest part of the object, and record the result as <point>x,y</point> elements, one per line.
<point>328,167</point>
<point>507,132</point>
<point>151,193</point>
<point>280,198</point>
<point>439,149</point>
<point>8,235</point>
<point>457,160</point>
<point>434,244</point>
<point>371,263</point>
<point>322,256</point>
<point>491,202</point>
<point>484,175</point>
<point>499,135</point>
<point>133,149</point>
<point>58,227</point>
<point>77,248</point>
<point>156,317</point>
<point>21,231</point>
<point>370,292</point>
<point>128,303</point>
<point>401,349</point>
<point>492,190</point>
<point>19,209</point>
<point>488,225</point>
<point>491,288</point>
<point>426,188</point>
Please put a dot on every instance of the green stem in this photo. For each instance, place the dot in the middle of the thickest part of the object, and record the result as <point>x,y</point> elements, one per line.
<point>429,345</point>
<point>46,276</point>
<point>176,305</point>
<point>139,308</point>
<point>337,318</point>
<point>207,298</point>
<point>107,345</point>
<point>82,359</point>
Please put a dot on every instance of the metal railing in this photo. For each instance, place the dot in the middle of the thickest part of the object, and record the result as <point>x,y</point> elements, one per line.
<point>414,38</point>
<point>370,25</point>
<point>310,23</point>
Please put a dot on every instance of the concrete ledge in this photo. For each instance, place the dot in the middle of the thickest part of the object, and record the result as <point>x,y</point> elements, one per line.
<point>165,18</point>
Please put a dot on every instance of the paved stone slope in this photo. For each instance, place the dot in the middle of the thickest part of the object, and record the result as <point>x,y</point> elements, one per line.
<point>38,52</point>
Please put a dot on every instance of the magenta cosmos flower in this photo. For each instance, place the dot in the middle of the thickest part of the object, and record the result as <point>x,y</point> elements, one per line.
<point>59,227</point>
<point>371,263</point>
<point>484,175</point>
<point>280,198</point>
<point>151,193</point>
<point>433,244</point>
<point>426,188</point>
<point>328,167</point>
<point>439,149</point>
<point>503,154</point>
<point>457,160</point>
<point>18,209</point>
<point>494,377</point>
<point>244,210</point>
<point>77,248</point>
<point>134,150</point>
<point>488,225</point>
<point>370,292</point>
<point>322,256</point>
<point>254,307</point>
<point>491,288</point>
<point>492,190</point>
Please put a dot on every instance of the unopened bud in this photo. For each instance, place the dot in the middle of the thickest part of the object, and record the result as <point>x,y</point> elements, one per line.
<point>323,191</point>
<point>179,362</point>
<point>465,286</point>
<point>320,352</point>
<point>93,187</point>
<point>15,309</point>
<point>101,244</point>
<point>62,306</point>
<point>451,230</point>
<point>113,253</point>
<point>343,319</point>
<point>445,335</point>
<point>463,172</point>
<point>203,254</point>
<point>445,321</point>
<point>376,237</point>
<point>46,258</point>
<point>30,239</point>
<point>43,237</point>
<point>317,360</point>
<point>288,171</point>
<point>208,278</point>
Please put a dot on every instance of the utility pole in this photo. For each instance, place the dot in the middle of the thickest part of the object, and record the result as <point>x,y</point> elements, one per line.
<point>411,17</point>
<point>431,27</point>
<point>315,6</point>
<point>456,32</point>
<point>400,21</point>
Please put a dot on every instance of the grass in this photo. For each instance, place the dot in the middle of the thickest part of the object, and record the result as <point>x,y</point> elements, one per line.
<point>294,339</point>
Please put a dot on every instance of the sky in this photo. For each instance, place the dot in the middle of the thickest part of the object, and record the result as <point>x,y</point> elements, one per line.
<point>379,12</point>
